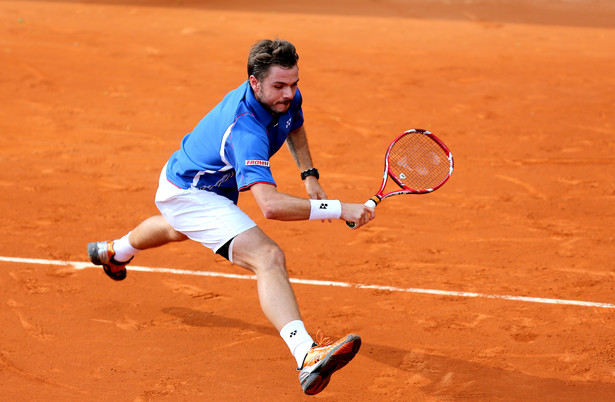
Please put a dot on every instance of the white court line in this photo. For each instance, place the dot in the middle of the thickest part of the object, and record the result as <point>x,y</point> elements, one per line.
<point>83,265</point>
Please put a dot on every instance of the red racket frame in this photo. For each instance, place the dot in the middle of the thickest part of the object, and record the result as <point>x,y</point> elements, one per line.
<point>379,196</point>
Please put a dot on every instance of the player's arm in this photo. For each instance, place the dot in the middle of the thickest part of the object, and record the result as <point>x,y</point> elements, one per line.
<point>298,145</point>
<point>284,207</point>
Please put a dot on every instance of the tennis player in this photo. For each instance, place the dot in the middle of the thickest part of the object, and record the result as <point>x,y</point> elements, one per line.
<point>228,152</point>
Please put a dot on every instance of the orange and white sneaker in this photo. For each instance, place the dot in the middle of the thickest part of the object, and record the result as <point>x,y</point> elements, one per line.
<point>324,359</point>
<point>101,253</point>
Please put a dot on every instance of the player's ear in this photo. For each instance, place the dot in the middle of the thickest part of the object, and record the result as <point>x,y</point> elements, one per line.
<point>254,83</point>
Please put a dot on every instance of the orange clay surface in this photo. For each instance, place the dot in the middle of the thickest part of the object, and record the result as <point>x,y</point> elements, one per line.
<point>95,96</point>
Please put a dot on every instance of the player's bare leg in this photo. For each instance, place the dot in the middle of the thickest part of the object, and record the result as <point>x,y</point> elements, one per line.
<point>316,361</point>
<point>254,250</point>
<point>153,232</point>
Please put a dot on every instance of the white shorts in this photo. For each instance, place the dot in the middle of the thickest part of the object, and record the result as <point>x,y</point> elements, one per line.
<point>203,216</point>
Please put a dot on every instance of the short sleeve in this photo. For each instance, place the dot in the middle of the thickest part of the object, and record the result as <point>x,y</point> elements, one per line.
<point>249,146</point>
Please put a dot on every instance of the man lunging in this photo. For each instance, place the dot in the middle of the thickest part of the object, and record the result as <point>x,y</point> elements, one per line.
<point>228,152</point>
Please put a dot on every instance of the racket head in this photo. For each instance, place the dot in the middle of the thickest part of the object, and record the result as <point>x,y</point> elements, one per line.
<point>419,162</point>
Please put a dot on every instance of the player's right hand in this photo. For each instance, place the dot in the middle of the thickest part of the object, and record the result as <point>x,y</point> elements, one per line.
<point>360,214</point>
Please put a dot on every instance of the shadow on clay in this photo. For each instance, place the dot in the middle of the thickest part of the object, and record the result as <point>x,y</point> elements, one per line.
<point>197,318</point>
<point>436,375</point>
<point>453,379</point>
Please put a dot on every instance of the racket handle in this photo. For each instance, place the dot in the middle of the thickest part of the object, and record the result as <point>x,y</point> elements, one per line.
<point>372,202</point>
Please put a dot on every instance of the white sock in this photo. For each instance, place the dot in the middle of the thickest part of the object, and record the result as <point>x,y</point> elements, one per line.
<point>124,251</point>
<point>297,339</point>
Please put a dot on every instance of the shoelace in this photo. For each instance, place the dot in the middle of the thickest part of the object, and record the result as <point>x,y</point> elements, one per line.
<point>321,340</point>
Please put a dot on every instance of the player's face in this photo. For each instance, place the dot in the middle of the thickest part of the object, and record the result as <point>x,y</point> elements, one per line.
<point>276,91</point>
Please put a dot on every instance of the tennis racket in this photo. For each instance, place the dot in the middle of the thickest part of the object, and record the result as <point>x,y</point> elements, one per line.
<point>418,162</point>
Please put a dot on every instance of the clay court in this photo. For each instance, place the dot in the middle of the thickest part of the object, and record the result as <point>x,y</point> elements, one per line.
<point>498,286</point>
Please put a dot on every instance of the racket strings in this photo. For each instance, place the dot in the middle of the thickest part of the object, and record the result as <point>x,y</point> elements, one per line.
<point>418,162</point>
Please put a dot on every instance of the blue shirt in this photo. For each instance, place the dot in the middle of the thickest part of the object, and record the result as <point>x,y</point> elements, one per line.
<point>229,149</point>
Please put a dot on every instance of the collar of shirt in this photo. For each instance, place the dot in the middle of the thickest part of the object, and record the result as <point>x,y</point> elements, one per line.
<point>262,115</point>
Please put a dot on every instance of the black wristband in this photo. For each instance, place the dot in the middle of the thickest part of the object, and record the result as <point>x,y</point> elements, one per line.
<point>310,172</point>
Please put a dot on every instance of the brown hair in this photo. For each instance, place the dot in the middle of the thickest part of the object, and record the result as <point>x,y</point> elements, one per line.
<point>267,53</point>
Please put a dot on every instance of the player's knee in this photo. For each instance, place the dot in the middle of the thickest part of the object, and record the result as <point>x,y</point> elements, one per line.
<point>273,259</point>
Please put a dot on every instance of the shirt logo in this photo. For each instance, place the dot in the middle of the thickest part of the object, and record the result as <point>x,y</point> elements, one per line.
<point>252,162</point>
<point>288,123</point>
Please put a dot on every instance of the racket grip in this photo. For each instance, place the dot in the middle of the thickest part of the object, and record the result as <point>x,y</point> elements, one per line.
<point>369,203</point>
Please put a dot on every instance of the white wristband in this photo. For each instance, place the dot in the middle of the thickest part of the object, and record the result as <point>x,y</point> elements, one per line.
<point>325,209</point>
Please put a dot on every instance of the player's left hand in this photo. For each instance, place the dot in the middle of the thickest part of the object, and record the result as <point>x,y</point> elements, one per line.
<point>314,189</point>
